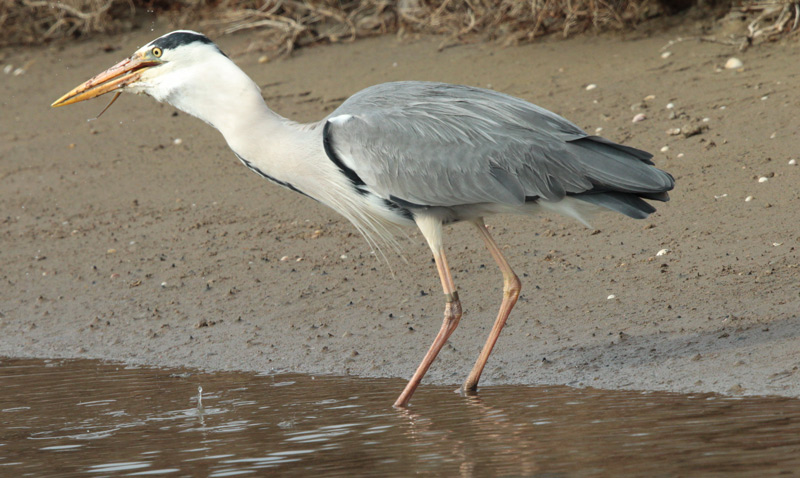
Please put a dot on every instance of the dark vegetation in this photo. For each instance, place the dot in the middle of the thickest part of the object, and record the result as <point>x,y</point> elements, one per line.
<point>284,25</point>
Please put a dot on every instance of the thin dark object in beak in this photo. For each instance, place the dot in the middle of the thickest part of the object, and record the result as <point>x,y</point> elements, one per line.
<point>116,95</point>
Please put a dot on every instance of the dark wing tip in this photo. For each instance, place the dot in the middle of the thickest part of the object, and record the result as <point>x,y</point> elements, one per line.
<point>639,154</point>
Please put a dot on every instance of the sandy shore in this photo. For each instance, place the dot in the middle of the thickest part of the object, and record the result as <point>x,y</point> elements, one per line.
<point>121,242</point>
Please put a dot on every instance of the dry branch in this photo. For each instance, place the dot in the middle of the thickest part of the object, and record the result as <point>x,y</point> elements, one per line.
<point>288,24</point>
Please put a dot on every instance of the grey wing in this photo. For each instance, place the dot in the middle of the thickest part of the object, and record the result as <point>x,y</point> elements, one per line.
<point>434,144</point>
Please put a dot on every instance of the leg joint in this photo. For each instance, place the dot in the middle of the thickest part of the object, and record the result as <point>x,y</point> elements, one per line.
<point>452,309</point>
<point>512,286</point>
<point>451,297</point>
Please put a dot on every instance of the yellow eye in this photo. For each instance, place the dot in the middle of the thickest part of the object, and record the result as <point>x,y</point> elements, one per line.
<point>156,51</point>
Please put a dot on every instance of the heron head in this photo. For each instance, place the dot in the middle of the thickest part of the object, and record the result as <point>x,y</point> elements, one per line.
<point>159,69</point>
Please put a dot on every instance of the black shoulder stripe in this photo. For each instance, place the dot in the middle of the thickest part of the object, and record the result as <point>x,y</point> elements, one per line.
<point>351,175</point>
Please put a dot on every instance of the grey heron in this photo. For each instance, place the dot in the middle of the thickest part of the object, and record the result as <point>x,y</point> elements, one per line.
<point>402,154</point>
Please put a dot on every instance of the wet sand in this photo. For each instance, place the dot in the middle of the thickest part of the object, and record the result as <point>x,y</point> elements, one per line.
<point>139,237</point>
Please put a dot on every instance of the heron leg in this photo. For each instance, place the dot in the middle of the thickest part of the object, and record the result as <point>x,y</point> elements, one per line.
<point>452,310</point>
<point>511,289</point>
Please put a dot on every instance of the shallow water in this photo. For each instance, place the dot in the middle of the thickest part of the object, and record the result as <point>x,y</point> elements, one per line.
<point>88,418</point>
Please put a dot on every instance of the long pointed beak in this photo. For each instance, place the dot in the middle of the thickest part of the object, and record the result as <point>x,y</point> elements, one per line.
<point>118,76</point>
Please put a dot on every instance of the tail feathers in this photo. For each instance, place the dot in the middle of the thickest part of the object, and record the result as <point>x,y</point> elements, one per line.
<point>629,204</point>
<point>615,167</point>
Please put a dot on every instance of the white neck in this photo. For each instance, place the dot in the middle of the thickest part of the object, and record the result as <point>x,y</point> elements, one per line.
<point>222,95</point>
<point>227,99</point>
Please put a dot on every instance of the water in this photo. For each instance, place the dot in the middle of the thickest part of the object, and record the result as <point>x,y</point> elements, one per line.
<point>93,419</point>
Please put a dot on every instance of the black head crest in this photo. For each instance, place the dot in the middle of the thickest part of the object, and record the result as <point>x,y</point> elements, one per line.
<point>181,38</point>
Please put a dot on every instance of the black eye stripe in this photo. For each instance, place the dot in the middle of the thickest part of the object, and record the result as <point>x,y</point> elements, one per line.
<point>180,38</point>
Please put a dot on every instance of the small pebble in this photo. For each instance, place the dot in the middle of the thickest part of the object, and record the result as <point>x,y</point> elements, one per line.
<point>284,258</point>
<point>721,196</point>
<point>680,155</point>
<point>639,117</point>
<point>18,71</point>
<point>163,284</point>
<point>111,251</point>
<point>343,256</point>
<point>733,63</point>
<point>773,135</point>
<point>612,296</point>
<point>674,131</point>
<point>598,129</point>
<point>765,98</point>
<point>670,106</point>
<point>706,120</point>
<point>177,141</point>
<point>263,59</point>
<point>748,199</point>
<point>662,252</point>
<point>591,87</point>
<point>792,162</point>
<point>8,69</point>
<point>650,97</point>
<point>664,149</point>
<point>763,179</point>
<point>666,54</point>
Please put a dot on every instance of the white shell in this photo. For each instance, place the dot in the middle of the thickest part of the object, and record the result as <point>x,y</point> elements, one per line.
<point>733,63</point>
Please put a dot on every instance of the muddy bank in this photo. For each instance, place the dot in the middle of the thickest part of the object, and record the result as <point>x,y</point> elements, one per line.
<point>140,237</point>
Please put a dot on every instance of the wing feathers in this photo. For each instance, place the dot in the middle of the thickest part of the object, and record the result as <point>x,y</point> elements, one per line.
<point>434,144</point>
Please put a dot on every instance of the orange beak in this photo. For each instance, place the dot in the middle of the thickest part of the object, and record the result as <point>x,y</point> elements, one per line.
<point>118,76</point>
